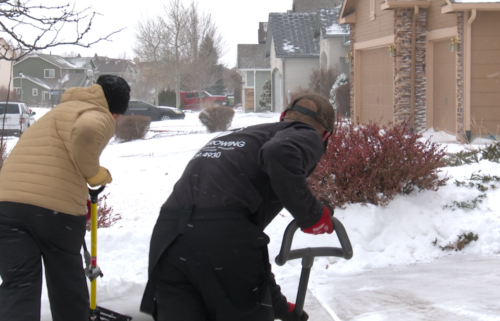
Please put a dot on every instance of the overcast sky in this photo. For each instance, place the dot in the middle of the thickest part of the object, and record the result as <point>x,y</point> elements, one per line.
<point>238,22</point>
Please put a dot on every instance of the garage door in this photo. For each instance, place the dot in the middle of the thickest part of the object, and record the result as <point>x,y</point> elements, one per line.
<point>485,72</point>
<point>377,87</point>
<point>444,88</point>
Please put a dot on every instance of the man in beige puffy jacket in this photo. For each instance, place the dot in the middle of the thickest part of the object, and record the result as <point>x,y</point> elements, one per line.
<point>43,195</point>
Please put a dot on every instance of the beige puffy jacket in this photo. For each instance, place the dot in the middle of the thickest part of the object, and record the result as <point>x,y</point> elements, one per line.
<point>50,163</point>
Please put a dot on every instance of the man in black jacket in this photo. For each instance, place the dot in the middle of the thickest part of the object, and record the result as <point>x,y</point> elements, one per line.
<point>208,257</point>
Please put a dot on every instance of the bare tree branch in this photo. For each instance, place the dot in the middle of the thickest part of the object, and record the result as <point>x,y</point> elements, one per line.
<point>43,23</point>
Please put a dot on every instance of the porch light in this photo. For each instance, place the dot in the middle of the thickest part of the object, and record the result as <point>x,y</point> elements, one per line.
<point>391,51</point>
<point>453,46</point>
<point>348,58</point>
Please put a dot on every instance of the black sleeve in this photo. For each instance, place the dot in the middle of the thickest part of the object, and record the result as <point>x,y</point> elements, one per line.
<point>289,158</point>
<point>280,303</point>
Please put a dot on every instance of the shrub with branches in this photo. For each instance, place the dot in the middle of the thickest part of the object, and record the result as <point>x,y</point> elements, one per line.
<point>370,164</point>
<point>3,153</point>
<point>4,94</point>
<point>217,118</point>
<point>132,127</point>
<point>105,216</point>
<point>321,80</point>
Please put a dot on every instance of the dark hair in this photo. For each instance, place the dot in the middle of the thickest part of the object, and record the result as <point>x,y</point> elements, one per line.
<point>117,93</point>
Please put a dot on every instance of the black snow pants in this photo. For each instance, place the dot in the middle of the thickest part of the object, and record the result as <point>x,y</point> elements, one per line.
<point>28,233</point>
<point>217,269</point>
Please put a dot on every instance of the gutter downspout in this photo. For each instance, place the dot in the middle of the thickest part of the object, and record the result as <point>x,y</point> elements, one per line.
<point>467,77</point>
<point>413,67</point>
<point>284,89</point>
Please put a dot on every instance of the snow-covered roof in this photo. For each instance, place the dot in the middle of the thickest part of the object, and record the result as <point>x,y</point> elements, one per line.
<point>252,57</point>
<point>293,34</point>
<point>327,25</point>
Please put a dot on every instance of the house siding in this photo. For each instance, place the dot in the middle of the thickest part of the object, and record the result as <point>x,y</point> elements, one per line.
<point>437,20</point>
<point>485,74</point>
<point>35,67</point>
<point>367,29</point>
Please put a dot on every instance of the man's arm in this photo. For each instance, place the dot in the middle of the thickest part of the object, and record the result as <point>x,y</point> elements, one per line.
<point>91,133</point>
<point>289,159</point>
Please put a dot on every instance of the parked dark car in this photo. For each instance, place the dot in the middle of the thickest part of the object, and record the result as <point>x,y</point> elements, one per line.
<point>137,107</point>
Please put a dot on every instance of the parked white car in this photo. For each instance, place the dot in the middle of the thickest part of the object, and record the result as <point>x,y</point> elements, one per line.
<point>18,118</point>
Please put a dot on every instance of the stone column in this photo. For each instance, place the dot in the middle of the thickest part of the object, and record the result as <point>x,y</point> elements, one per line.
<point>460,77</point>
<point>402,67</point>
<point>352,28</point>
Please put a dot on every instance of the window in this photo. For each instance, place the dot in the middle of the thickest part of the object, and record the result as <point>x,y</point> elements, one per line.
<point>201,94</point>
<point>18,91</point>
<point>189,95</point>
<point>45,95</point>
<point>11,109</point>
<point>34,92</point>
<point>49,73</point>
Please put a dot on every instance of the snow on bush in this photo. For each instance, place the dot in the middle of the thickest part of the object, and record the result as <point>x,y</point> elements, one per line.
<point>105,216</point>
<point>371,164</point>
<point>216,118</point>
<point>341,80</point>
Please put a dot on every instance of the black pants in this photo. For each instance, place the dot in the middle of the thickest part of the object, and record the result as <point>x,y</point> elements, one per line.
<point>215,270</point>
<point>28,233</point>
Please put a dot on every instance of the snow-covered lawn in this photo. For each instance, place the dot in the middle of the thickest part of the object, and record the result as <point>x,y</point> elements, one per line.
<point>407,232</point>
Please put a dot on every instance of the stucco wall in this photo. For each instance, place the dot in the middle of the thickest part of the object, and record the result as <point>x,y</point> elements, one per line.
<point>297,72</point>
<point>335,52</point>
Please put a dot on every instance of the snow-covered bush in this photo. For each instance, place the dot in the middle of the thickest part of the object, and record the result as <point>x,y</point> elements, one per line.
<point>341,80</point>
<point>370,164</point>
<point>265,97</point>
<point>132,127</point>
<point>105,216</point>
<point>217,118</point>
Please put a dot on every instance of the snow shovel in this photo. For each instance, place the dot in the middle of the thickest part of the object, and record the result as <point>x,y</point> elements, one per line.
<point>93,271</point>
<point>308,254</point>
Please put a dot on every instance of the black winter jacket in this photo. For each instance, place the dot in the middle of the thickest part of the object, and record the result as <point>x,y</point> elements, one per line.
<point>261,168</point>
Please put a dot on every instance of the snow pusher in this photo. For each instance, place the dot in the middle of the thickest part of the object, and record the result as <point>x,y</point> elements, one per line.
<point>308,254</point>
<point>92,270</point>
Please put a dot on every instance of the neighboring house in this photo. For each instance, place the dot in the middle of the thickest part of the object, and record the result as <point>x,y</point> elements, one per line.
<point>5,66</point>
<point>293,53</point>
<point>40,79</point>
<point>119,67</point>
<point>254,70</point>
<point>435,60</point>
<point>333,40</point>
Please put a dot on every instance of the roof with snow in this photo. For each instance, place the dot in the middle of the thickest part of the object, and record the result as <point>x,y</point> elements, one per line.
<point>68,81</point>
<point>111,65</point>
<point>252,57</point>
<point>293,35</point>
<point>57,61</point>
<point>327,25</point>
<point>80,62</point>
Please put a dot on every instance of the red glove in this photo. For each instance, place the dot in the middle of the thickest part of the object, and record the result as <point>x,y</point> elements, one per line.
<point>323,225</point>
<point>291,316</point>
<point>88,209</point>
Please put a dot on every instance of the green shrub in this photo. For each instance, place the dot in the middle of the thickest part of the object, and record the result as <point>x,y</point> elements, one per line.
<point>370,164</point>
<point>490,153</point>
<point>132,127</point>
<point>167,97</point>
<point>216,119</point>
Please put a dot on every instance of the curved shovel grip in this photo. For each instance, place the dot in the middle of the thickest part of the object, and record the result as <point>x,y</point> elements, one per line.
<point>286,254</point>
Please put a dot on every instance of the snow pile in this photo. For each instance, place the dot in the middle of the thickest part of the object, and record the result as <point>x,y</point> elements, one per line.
<point>410,230</point>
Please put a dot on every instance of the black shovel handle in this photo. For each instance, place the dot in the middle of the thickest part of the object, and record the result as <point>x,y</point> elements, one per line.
<point>286,255</point>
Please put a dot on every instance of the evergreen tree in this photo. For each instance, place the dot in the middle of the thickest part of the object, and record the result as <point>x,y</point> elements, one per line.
<point>265,97</point>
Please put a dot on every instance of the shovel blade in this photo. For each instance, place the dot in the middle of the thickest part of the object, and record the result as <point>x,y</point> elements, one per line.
<point>102,314</point>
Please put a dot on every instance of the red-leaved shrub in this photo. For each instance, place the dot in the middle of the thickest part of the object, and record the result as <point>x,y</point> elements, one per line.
<point>369,164</point>
<point>132,127</point>
<point>105,216</point>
